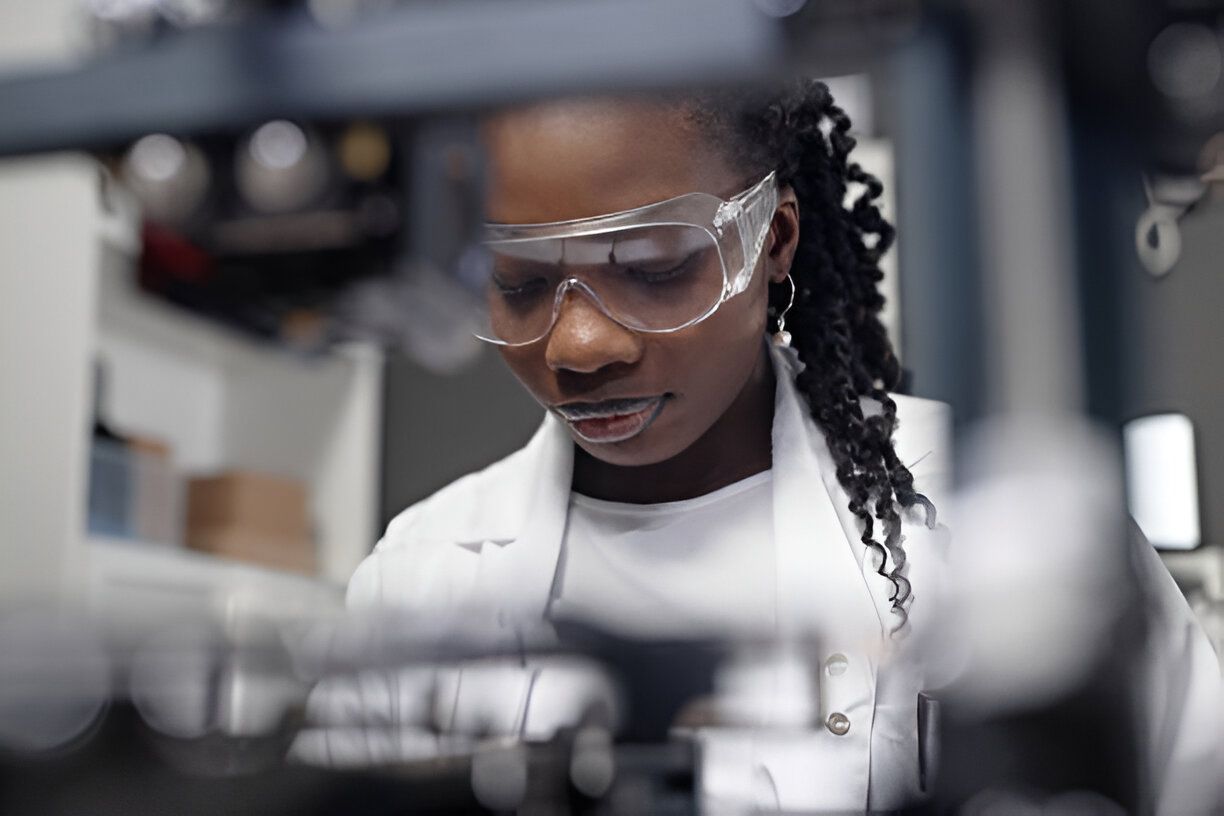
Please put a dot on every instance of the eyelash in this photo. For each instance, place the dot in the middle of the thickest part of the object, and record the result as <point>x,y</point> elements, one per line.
<point>531,287</point>
<point>522,289</point>
<point>661,276</point>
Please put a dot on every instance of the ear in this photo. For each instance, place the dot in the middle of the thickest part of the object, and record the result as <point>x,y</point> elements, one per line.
<point>783,239</point>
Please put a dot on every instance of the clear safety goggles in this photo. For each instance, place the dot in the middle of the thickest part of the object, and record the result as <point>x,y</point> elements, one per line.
<point>658,268</point>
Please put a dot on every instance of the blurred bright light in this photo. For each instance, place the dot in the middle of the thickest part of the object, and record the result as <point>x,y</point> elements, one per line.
<point>278,145</point>
<point>168,176</point>
<point>1162,479</point>
<point>281,168</point>
<point>157,157</point>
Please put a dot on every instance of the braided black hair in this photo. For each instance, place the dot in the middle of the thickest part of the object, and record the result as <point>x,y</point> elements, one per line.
<point>799,132</point>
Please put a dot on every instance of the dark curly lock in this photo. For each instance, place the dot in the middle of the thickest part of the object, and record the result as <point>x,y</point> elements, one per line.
<point>801,134</point>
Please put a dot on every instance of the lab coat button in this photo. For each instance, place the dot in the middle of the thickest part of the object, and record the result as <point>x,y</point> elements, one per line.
<point>838,723</point>
<point>836,665</point>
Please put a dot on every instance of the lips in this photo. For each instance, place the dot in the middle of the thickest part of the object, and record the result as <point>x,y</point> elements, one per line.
<point>611,420</point>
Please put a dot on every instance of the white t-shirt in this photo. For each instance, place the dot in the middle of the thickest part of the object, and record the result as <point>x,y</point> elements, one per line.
<point>702,566</point>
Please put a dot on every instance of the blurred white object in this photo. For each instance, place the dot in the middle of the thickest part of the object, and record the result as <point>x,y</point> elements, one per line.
<point>55,680</point>
<point>1162,479</point>
<point>1044,569</point>
<point>280,167</point>
<point>1158,240</point>
<point>1184,61</point>
<point>499,775</point>
<point>769,688</point>
<point>1038,563</point>
<point>192,680</point>
<point>173,679</point>
<point>168,176</point>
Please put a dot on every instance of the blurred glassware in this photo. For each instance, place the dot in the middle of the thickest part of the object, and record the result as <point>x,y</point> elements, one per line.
<point>194,680</point>
<point>55,680</point>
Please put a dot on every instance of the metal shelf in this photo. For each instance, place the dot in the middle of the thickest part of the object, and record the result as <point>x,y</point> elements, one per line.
<point>417,58</point>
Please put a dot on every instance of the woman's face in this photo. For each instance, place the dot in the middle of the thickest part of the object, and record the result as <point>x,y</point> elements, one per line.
<point>576,159</point>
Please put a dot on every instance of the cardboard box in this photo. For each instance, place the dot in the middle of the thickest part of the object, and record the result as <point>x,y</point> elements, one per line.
<point>253,502</point>
<point>292,553</point>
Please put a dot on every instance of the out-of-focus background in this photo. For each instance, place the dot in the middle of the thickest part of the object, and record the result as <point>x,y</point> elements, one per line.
<point>230,343</point>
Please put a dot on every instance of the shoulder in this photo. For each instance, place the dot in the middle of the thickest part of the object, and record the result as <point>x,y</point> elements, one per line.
<point>1184,694</point>
<point>422,559</point>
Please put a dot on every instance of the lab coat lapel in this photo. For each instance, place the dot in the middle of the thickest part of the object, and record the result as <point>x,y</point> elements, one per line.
<point>517,570</point>
<point>821,599</point>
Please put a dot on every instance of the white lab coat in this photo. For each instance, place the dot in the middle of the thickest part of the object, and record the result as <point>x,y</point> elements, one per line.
<point>494,538</point>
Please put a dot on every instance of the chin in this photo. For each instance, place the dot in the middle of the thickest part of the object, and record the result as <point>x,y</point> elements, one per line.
<point>651,447</point>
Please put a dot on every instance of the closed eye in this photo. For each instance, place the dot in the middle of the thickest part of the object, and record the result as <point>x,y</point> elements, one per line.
<point>661,275</point>
<point>532,286</point>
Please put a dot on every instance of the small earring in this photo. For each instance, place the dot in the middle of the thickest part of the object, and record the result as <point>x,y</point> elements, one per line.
<point>782,337</point>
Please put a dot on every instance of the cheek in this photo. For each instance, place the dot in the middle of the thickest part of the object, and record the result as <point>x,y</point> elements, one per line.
<point>529,368</point>
<point>723,352</point>
<point>738,326</point>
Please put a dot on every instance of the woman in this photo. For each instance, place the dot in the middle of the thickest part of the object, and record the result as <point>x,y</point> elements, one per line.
<point>692,477</point>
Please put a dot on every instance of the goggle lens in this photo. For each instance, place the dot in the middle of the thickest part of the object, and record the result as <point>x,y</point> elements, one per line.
<point>657,268</point>
<point>651,278</point>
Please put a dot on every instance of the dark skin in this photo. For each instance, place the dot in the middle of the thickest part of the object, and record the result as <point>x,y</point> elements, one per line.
<point>581,158</point>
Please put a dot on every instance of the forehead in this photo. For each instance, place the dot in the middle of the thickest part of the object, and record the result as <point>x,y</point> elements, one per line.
<point>578,158</point>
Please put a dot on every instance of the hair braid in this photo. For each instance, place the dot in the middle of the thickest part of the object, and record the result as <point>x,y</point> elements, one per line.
<point>835,321</point>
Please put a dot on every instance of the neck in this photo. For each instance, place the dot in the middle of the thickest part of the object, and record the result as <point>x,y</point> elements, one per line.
<point>738,445</point>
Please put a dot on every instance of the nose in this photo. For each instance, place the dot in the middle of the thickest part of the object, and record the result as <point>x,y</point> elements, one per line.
<point>585,340</point>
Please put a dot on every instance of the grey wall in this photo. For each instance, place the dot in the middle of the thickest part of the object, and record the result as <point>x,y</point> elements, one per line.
<point>438,428</point>
<point>1180,329</point>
